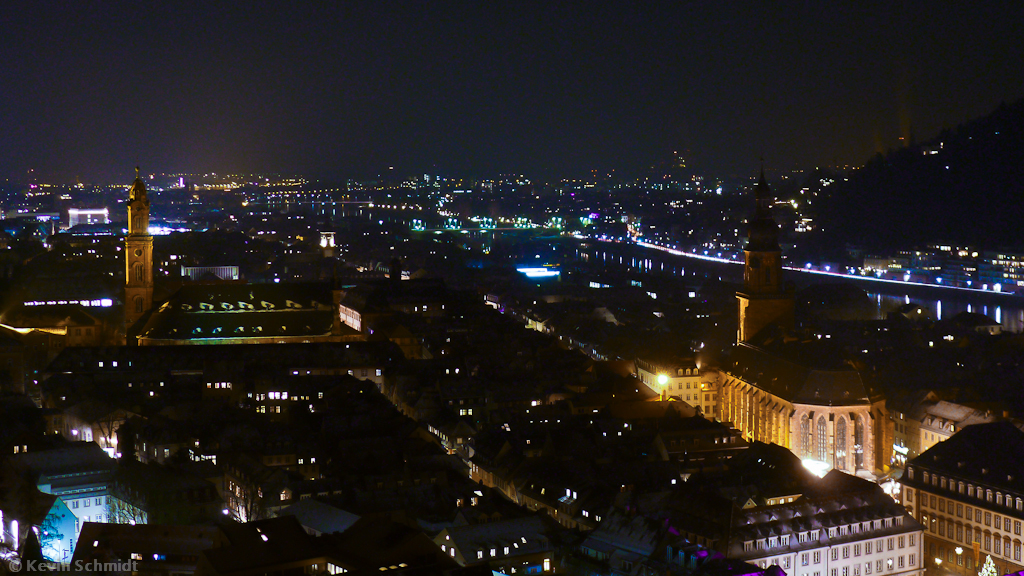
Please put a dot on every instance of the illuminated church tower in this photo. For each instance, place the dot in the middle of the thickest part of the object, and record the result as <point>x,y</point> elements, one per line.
<point>762,301</point>
<point>138,287</point>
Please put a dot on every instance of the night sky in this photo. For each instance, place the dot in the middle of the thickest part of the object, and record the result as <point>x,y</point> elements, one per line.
<point>88,89</point>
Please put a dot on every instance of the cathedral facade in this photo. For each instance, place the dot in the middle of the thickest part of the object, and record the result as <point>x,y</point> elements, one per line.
<point>826,415</point>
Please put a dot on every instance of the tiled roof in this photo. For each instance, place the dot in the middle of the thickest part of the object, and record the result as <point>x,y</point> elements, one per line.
<point>473,537</point>
<point>321,517</point>
<point>986,453</point>
<point>243,310</point>
<point>798,382</point>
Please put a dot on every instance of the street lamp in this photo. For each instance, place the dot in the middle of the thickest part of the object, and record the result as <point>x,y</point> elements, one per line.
<point>959,559</point>
<point>662,380</point>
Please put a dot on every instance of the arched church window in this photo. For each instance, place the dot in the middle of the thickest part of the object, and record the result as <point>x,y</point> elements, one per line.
<point>139,270</point>
<point>858,442</point>
<point>805,437</point>
<point>841,444</point>
<point>139,305</point>
<point>822,444</point>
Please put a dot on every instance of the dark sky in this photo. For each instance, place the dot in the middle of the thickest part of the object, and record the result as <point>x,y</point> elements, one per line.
<point>91,88</point>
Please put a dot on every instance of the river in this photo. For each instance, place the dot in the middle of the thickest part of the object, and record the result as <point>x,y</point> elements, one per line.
<point>941,302</point>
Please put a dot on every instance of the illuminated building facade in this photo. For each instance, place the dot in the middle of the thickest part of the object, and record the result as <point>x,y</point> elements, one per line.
<point>78,216</point>
<point>968,493</point>
<point>769,511</point>
<point>1005,269</point>
<point>138,289</point>
<point>679,379</point>
<point>828,416</point>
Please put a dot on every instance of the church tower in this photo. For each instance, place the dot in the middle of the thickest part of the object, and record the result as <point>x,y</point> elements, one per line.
<point>138,287</point>
<point>762,301</point>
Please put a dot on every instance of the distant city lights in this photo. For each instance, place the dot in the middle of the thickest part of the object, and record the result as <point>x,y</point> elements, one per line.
<point>100,303</point>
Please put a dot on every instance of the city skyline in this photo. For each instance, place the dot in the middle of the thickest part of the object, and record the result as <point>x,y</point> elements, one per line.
<point>420,378</point>
<point>477,89</point>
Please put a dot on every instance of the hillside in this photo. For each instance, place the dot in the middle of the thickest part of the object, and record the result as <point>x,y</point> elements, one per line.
<point>964,186</point>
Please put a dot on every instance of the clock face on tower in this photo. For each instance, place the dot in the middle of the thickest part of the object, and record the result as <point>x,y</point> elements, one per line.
<point>138,252</point>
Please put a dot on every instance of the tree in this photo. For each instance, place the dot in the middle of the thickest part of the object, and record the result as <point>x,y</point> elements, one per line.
<point>246,504</point>
<point>107,425</point>
<point>129,495</point>
<point>50,537</point>
<point>123,511</point>
<point>989,568</point>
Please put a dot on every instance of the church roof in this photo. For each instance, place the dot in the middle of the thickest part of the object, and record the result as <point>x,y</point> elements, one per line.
<point>799,382</point>
<point>243,310</point>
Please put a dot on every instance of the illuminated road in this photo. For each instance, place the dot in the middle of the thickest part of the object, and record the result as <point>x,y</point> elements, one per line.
<point>857,277</point>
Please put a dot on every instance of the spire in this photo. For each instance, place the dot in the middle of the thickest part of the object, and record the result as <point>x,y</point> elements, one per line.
<point>763,232</point>
<point>138,189</point>
<point>137,170</point>
<point>762,197</point>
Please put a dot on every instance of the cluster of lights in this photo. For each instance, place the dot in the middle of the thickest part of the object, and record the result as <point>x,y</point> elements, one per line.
<point>538,272</point>
<point>101,303</point>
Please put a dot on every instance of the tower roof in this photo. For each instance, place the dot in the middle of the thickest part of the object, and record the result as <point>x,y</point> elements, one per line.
<point>763,232</point>
<point>138,189</point>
